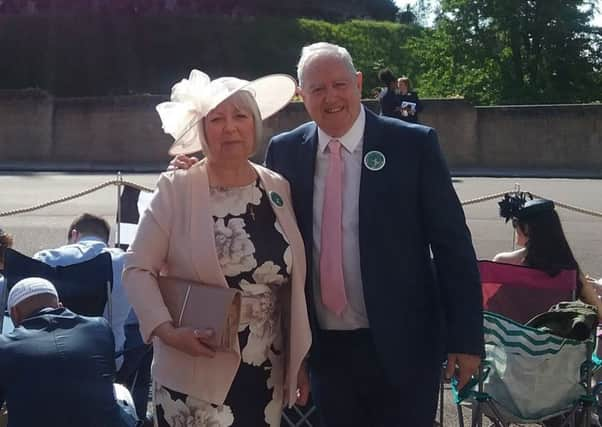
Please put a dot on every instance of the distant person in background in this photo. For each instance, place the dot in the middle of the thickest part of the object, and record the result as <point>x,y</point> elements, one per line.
<point>389,99</point>
<point>410,105</point>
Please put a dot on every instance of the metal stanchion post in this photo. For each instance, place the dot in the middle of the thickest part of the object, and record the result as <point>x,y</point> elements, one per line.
<point>118,221</point>
<point>517,190</point>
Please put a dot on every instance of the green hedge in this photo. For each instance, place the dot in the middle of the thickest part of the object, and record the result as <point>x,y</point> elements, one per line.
<point>103,55</point>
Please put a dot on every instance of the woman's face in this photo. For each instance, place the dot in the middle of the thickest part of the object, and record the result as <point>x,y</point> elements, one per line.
<point>230,133</point>
<point>403,88</point>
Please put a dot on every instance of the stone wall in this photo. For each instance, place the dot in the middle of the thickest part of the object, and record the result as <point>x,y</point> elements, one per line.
<point>38,131</point>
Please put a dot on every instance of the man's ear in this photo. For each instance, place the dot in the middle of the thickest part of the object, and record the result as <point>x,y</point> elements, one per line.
<point>15,315</point>
<point>360,80</point>
<point>299,92</point>
<point>73,236</point>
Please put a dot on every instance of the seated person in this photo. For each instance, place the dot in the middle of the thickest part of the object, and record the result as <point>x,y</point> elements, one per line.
<point>543,243</point>
<point>56,367</point>
<point>135,373</point>
<point>88,236</point>
<point>6,241</point>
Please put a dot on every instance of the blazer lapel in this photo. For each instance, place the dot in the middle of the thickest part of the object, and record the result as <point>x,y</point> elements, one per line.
<point>203,253</point>
<point>303,192</point>
<point>276,192</point>
<point>370,180</point>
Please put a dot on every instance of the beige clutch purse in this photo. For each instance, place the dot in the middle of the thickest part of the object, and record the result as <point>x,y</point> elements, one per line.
<point>201,306</point>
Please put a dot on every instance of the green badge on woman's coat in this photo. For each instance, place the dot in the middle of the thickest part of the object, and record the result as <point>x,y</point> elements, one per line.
<point>276,199</point>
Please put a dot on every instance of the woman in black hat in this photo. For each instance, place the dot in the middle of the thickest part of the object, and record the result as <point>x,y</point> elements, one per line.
<point>543,243</point>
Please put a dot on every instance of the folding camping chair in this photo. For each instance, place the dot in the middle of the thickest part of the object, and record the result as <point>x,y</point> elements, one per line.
<point>521,293</point>
<point>84,288</point>
<point>528,374</point>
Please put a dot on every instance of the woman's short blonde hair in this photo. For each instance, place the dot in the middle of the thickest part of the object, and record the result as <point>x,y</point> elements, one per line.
<point>243,100</point>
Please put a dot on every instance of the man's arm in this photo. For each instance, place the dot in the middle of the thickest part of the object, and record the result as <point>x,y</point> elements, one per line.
<point>455,262</point>
<point>454,256</point>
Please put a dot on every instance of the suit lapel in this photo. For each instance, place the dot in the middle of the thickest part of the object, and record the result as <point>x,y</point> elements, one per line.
<point>203,253</point>
<point>370,180</point>
<point>306,165</point>
<point>275,191</point>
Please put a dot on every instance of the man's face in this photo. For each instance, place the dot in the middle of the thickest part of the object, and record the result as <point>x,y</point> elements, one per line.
<point>331,94</point>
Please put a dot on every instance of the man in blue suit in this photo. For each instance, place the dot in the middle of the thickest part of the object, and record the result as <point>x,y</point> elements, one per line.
<point>56,367</point>
<point>374,199</point>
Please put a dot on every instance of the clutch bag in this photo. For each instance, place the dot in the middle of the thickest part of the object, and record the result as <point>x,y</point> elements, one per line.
<point>200,306</point>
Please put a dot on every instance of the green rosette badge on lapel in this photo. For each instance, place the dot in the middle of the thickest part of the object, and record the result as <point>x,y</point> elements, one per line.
<point>276,199</point>
<point>374,160</point>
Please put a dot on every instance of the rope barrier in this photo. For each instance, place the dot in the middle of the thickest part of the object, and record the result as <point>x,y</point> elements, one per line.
<point>573,208</point>
<point>484,198</point>
<point>121,182</point>
<point>75,196</point>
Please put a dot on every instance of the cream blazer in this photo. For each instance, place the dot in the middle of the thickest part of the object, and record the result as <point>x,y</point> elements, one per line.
<point>177,232</point>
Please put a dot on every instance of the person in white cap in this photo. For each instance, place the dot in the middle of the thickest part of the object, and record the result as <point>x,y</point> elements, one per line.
<point>225,222</point>
<point>56,367</point>
<point>30,295</point>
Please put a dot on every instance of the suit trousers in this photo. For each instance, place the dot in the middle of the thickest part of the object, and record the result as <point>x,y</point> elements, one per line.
<point>351,388</point>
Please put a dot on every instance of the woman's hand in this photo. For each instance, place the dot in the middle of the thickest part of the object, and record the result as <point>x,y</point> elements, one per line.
<point>302,385</point>
<point>187,340</point>
<point>590,293</point>
<point>182,161</point>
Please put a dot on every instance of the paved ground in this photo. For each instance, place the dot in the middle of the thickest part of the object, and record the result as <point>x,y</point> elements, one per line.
<point>48,227</point>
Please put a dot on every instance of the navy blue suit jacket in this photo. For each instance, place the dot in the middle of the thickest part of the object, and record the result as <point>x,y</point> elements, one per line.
<point>57,369</point>
<point>419,308</point>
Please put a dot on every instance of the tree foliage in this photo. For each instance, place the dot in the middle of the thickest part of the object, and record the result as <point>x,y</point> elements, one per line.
<point>488,51</point>
<point>512,51</point>
<point>332,10</point>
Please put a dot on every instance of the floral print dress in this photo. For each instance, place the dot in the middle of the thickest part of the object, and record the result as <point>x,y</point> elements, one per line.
<point>255,258</point>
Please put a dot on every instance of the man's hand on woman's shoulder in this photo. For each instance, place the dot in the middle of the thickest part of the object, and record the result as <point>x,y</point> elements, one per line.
<point>182,161</point>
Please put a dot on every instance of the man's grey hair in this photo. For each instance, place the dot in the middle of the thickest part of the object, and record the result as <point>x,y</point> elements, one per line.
<point>322,50</point>
<point>245,100</point>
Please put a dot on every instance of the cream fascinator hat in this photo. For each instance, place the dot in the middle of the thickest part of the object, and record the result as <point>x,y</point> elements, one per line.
<point>194,97</point>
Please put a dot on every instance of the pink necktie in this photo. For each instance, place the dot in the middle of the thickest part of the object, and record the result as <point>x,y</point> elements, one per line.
<point>331,249</point>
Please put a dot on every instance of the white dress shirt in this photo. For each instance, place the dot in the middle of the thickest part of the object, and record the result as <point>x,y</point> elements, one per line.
<point>354,316</point>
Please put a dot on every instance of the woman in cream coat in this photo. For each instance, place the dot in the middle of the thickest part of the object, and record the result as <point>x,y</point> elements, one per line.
<point>230,223</point>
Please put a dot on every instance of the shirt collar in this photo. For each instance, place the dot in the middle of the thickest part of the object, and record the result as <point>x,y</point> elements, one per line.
<point>91,240</point>
<point>351,140</point>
